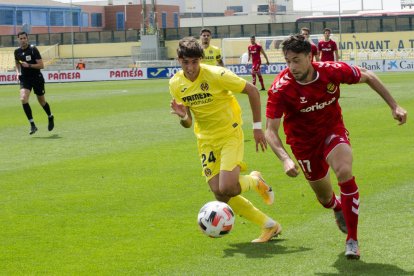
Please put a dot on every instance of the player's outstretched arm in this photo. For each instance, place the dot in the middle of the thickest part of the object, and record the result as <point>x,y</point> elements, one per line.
<point>275,143</point>
<point>182,112</point>
<point>254,99</point>
<point>369,77</point>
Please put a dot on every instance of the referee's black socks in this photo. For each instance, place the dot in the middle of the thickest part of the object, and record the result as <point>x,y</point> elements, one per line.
<point>28,111</point>
<point>46,107</point>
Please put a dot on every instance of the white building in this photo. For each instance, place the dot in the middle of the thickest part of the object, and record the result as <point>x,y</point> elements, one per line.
<point>210,12</point>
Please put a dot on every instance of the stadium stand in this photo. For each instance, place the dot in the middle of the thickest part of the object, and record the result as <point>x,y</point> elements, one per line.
<point>6,61</point>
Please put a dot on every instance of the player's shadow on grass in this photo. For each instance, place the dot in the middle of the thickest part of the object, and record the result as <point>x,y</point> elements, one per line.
<point>354,267</point>
<point>53,136</point>
<point>261,250</point>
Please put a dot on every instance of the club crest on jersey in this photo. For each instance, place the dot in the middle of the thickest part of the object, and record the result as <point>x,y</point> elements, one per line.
<point>207,172</point>
<point>204,86</point>
<point>331,88</point>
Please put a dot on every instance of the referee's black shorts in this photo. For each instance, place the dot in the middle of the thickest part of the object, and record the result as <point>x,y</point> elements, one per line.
<point>35,82</point>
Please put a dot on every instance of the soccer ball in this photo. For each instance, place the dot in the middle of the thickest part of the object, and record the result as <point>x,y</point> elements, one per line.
<point>215,219</point>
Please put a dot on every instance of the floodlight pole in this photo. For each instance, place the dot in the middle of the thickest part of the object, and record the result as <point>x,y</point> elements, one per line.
<point>202,14</point>
<point>340,29</point>
<point>71,35</point>
<point>355,50</point>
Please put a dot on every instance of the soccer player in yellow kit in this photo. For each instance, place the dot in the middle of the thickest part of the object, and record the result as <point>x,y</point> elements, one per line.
<point>212,54</point>
<point>201,93</point>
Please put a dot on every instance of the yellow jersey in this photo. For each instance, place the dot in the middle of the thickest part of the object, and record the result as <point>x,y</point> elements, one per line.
<point>212,55</point>
<point>216,112</point>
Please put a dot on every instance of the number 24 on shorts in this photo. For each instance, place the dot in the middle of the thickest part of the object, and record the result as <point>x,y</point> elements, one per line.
<point>211,158</point>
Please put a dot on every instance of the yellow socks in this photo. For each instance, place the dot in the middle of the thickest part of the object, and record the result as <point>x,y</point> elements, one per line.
<point>247,183</point>
<point>245,208</point>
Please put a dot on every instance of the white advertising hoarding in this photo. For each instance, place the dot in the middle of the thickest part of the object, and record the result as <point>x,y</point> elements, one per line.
<point>83,75</point>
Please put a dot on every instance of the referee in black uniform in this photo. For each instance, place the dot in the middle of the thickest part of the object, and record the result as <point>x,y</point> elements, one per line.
<point>28,65</point>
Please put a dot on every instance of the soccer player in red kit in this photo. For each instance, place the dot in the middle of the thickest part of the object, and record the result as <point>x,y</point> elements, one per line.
<point>255,50</point>
<point>314,49</point>
<point>306,94</point>
<point>328,49</point>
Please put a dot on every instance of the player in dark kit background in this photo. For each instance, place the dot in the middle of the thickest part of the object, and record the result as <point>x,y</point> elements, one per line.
<point>28,65</point>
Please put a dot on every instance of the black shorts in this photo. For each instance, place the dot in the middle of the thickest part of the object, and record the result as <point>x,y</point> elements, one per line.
<point>36,82</point>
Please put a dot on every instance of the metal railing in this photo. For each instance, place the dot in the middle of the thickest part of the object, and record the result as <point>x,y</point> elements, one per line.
<point>242,30</point>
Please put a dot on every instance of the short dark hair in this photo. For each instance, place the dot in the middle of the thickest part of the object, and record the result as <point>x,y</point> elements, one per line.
<point>327,30</point>
<point>205,30</point>
<point>253,36</point>
<point>297,44</point>
<point>189,47</point>
<point>21,33</point>
<point>306,29</point>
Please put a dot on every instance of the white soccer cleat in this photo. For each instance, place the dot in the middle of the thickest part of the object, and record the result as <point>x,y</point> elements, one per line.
<point>352,250</point>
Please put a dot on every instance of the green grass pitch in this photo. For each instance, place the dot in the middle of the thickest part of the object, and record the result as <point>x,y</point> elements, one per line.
<point>115,189</point>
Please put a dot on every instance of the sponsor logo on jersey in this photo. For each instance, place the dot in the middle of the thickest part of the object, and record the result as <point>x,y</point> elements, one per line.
<point>318,106</point>
<point>326,49</point>
<point>331,88</point>
<point>303,100</point>
<point>196,99</point>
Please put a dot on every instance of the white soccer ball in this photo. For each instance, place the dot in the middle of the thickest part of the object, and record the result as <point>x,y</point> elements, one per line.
<point>216,219</point>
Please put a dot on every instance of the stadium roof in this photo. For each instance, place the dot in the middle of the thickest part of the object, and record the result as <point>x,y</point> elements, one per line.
<point>43,3</point>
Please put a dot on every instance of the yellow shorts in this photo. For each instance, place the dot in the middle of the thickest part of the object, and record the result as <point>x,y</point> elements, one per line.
<point>222,154</point>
